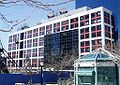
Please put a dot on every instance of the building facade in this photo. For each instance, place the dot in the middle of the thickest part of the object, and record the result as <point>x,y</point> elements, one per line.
<point>112,5</point>
<point>82,29</point>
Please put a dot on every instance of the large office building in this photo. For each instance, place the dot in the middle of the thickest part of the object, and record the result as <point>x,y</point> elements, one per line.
<point>112,5</point>
<point>82,29</point>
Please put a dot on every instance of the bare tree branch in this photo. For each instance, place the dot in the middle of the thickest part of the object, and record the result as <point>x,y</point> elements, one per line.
<point>15,23</point>
<point>33,3</point>
<point>62,61</point>
<point>5,19</point>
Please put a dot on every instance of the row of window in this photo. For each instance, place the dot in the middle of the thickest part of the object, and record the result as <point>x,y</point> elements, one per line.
<point>97,43</point>
<point>84,21</point>
<point>95,18</point>
<point>27,44</point>
<point>96,32</point>
<point>109,32</point>
<point>28,53</point>
<point>35,62</point>
<point>85,45</point>
<point>107,18</point>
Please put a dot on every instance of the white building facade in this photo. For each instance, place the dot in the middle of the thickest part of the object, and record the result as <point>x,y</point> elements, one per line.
<point>93,27</point>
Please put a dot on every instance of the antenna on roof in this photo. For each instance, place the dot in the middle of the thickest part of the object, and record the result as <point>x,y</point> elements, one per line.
<point>51,15</point>
<point>63,11</point>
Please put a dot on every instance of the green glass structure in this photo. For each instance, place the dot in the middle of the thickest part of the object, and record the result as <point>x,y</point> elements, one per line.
<point>106,75</point>
<point>97,68</point>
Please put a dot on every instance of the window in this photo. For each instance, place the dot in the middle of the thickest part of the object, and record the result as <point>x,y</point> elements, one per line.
<point>98,34</point>
<point>34,62</point>
<point>106,17</point>
<point>108,43</point>
<point>9,47</point>
<point>95,17</point>
<point>81,18</point>
<point>25,35</point>
<point>85,49</point>
<point>97,43</point>
<point>84,20</point>
<point>41,52</point>
<point>42,31</point>
<point>82,43</point>
<point>84,33</point>
<point>49,29</point>
<point>29,43</point>
<point>81,30</point>
<point>87,36</point>
<point>85,46</point>
<point>35,42</point>
<point>29,34</point>
<point>56,27</point>
<point>82,24</point>
<point>113,31</point>
<point>98,13</point>
<point>28,54</point>
<point>74,23</point>
<point>107,31</point>
<point>24,54</point>
<point>14,46</point>
<point>10,38</point>
<point>82,36</point>
<point>24,43</point>
<point>14,38</point>
<point>41,41</point>
<point>96,31</point>
<point>98,20</point>
<point>86,16</point>
<point>34,54</point>
<point>87,43</point>
<point>35,32</point>
<point>13,54</point>
<point>93,28</point>
<point>65,25</point>
<point>112,20</point>
<point>87,29</point>
<point>98,27</point>
<point>93,34</point>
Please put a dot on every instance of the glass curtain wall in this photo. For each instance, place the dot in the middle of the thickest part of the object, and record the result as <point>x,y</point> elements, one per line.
<point>106,75</point>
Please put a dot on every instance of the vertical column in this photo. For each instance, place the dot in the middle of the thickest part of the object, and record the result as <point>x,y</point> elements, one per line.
<point>45,30</point>
<point>102,27</point>
<point>79,35</point>
<point>95,73</point>
<point>69,24</point>
<point>76,75</point>
<point>90,32</point>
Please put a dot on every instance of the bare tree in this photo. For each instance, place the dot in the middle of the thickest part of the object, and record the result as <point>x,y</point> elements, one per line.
<point>32,3</point>
<point>114,47</point>
<point>63,61</point>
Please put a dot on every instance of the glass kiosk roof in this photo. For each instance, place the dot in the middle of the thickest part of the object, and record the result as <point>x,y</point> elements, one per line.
<point>99,54</point>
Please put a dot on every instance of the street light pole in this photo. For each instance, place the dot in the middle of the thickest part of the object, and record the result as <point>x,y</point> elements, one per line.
<point>41,75</point>
<point>41,71</point>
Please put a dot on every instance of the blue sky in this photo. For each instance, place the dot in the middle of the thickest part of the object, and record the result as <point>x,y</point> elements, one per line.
<point>18,12</point>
